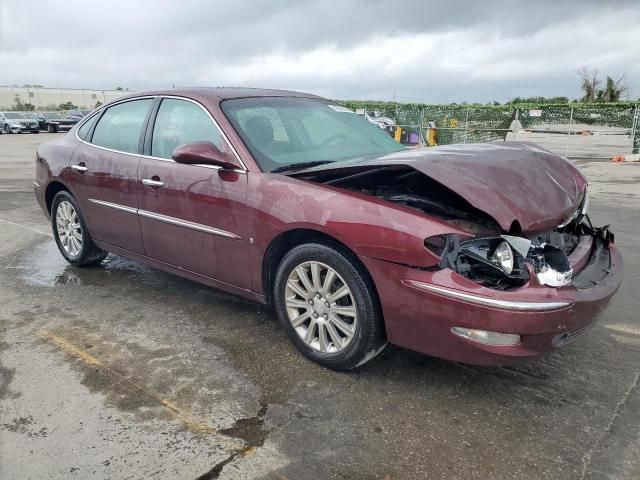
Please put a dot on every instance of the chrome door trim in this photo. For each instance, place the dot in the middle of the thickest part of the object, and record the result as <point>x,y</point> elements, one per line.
<point>167,219</point>
<point>224,136</point>
<point>187,224</point>
<point>117,206</point>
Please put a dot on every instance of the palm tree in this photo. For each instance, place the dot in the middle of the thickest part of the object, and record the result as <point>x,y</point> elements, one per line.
<point>590,84</point>
<point>613,91</point>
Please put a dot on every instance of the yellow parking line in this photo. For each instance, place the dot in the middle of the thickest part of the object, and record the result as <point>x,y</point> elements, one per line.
<point>90,360</point>
<point>186,419</point>
<point>69,348</point>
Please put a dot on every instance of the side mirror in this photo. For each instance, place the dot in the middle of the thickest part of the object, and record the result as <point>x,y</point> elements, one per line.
<point>204,153</point>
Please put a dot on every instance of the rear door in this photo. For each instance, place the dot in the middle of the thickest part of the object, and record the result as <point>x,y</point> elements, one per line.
<point>105,168</point>
<point>192,216</point>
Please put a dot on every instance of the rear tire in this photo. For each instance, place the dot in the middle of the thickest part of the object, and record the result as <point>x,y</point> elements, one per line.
<point>328,306</point>
<point>71,233</point>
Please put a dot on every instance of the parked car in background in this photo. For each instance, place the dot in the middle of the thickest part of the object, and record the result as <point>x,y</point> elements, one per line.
<point>477,253</point>
<point>53,121</point>
<point>384,123</point>
<point>77,114</point>
<point>17,122</point>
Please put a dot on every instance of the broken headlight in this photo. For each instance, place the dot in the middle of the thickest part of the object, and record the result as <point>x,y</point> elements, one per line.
<point>491,262</point>
<point>503,257</point>
<point>501,262</point>
<point>551,265</point>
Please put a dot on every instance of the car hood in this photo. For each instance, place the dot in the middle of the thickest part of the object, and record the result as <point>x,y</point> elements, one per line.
<point>510,181</point>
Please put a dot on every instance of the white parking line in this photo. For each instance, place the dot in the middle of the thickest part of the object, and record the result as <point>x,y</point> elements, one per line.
<point>48,234</point>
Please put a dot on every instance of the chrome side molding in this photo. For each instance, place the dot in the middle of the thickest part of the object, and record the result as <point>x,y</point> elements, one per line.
<point>167,219</point>
<point>187,224</point>
<point>117,206</point>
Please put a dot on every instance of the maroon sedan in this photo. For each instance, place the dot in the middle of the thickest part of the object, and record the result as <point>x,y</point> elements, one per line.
<point>475,253</point>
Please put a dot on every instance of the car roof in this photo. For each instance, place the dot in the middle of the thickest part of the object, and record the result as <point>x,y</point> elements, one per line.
<point>223,93</point>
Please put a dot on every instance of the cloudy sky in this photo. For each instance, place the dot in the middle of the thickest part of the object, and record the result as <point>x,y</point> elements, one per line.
<point>427,51</point>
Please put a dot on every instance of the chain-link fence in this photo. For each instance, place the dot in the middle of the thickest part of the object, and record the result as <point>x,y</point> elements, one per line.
<point>575,130</point>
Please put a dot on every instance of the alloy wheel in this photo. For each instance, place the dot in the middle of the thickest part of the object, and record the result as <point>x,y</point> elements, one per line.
<point>69,228</point>
<point>320,307</point>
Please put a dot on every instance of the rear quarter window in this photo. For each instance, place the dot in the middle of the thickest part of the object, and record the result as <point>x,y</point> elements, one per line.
<point>86,127</point>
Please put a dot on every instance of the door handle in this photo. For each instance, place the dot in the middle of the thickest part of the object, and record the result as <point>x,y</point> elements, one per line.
<point>79,168</point>
<point>149,182</point>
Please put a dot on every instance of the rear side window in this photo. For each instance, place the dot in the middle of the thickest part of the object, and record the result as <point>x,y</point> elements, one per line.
<point>84,130</point>
<point>120,126</point>
<point>179,122</point>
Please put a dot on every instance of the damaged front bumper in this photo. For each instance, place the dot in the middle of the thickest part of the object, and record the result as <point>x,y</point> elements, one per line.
<point>425,310</point>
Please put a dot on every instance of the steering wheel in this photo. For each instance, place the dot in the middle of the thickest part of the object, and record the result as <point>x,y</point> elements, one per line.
<point>333,138</point>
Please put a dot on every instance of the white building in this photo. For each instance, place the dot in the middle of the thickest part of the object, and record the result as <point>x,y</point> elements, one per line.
<point>46,98</point>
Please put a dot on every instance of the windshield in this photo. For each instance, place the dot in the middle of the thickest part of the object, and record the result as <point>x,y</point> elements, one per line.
<point>286,131</point>
<point>52,116</point>
<point>15,115</point>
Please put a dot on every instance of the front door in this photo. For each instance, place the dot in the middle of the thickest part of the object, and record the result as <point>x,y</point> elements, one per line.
<point>192,216</point>
<point>105,170</point>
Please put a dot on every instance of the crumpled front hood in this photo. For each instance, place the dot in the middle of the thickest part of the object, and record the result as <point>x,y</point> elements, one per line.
<point>510,181</point>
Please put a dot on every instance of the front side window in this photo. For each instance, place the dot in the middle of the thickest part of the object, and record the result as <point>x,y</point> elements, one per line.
<point>120,126</point>
<point>282,132</point>
<point>179,122</point>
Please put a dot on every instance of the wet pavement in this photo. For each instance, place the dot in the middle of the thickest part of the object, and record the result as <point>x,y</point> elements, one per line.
<point>122,371</point>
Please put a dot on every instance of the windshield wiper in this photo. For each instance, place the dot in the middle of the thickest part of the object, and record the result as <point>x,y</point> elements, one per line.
<point>300,166</point>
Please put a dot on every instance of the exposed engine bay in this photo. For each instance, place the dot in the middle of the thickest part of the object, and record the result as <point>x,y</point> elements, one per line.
<point>494,258</point>
<point>412,188</point>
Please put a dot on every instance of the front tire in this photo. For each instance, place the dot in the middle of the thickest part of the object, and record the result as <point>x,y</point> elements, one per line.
<point>71,233</point>
<point>328,306</point>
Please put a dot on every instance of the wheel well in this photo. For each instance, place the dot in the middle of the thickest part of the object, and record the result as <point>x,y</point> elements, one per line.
<point>284,242</point>
<point>52,189</point>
